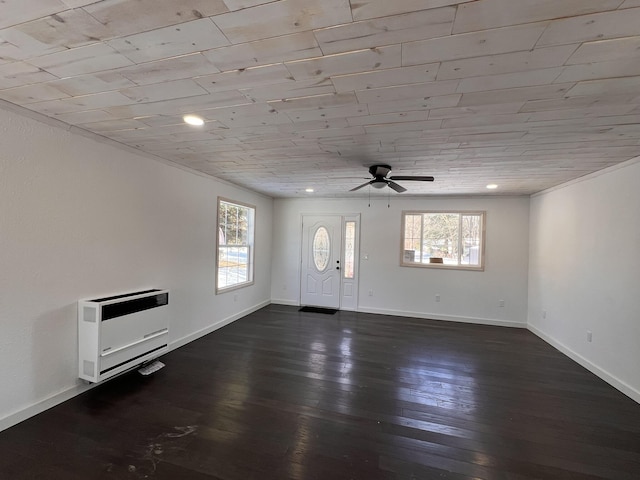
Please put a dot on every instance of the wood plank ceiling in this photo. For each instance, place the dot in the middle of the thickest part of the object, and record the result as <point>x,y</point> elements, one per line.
<point>526,94</point>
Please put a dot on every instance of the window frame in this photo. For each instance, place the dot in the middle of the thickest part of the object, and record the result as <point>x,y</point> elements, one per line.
<point>442,266</point>
<point>251,235</point>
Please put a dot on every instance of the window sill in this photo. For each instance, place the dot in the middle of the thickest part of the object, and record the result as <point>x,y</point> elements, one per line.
<point>442,266</point>
<point>233,287</point>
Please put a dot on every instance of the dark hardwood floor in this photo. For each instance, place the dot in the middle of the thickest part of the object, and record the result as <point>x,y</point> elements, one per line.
<point>281,394</point>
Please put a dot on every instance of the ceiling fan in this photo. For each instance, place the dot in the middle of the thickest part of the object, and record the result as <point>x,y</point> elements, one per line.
<point>380,179</point>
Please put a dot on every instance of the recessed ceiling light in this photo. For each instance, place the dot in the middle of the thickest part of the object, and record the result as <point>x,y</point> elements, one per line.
<point>309,190</point>
<point>193,120</point>
<point>492,186</point>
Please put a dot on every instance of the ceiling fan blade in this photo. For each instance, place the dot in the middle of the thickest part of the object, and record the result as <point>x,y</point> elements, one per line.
<point>358,188</point>
<point>413,178</point>
<point>396,187</point>
<point>348,178</point>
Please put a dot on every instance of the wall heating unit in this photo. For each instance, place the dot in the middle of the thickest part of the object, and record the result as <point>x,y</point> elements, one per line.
<point>120,332</point>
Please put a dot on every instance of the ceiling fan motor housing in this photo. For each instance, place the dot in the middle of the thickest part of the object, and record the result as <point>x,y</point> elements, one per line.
<point>379,170</point>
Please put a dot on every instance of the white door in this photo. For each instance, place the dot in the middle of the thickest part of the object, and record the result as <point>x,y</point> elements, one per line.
<point>321,253</point>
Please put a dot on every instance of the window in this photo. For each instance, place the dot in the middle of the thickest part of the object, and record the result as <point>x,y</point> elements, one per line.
<point>443,239</point>
<point>321,249</point>
<point>349,249</point>
<point>235,245</point>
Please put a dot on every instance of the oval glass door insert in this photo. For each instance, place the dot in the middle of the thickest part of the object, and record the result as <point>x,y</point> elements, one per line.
<point>321,249</point>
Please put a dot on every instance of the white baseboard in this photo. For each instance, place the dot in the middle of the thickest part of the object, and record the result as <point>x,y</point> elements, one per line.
<point>431,316</point>
<point>212,328</point>
<point>612,380</point>
<point>67,394</point>
<point>280,301</point>
<point>49,402</point>
<point>446,318</point>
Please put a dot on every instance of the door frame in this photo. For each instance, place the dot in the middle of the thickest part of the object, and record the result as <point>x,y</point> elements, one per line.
<point>346,302</point>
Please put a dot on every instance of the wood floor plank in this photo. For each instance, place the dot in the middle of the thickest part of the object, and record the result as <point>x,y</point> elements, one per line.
<point>282,394</point>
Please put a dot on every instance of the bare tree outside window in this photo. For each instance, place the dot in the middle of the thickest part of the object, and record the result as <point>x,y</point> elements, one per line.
<point>235,242</point>
<point>443,239</point>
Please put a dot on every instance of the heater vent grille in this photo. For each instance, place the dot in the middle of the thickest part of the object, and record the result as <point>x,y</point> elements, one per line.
<point>89,314</point>
<point>89,368</point>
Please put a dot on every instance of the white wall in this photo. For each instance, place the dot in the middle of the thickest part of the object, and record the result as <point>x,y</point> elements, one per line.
<point>585,273</point>
<point>80,219</point>
<point>465,295</point>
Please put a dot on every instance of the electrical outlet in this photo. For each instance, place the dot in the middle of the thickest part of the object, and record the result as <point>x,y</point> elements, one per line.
<point>371,293</point>
<point>437,297</point>
<point>501,303</point>
<point>544,314</point>
<point>589,336</point>
<point>235,297</point>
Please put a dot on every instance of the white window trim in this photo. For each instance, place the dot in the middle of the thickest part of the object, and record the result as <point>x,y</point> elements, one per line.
<point>252,247</point>
<point>480,268</point>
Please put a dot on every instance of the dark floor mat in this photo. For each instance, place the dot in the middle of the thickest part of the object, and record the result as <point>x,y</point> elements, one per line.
<point>328,311</point>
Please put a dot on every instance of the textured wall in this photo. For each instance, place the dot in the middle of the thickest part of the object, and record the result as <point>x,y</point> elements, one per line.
<point>79,219</point>
<point>464,295</point>
<point>585,273</point>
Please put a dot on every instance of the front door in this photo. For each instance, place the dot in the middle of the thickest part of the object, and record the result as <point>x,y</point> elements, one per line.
<point>321,254</point>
